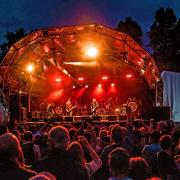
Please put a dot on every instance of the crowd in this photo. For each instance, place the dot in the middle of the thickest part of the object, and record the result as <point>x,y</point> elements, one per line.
<point>64,151</point>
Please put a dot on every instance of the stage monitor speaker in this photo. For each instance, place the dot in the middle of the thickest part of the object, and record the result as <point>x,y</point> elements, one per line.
<point>112,118</point>
<point>96,118</point>
<point>60,119</point>
<point>161,113</point>
<point>68,119</point>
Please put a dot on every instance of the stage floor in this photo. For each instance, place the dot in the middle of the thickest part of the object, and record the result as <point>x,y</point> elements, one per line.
<point>86,117</point>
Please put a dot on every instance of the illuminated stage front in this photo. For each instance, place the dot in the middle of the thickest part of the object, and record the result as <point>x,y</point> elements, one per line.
<point>82,62</point>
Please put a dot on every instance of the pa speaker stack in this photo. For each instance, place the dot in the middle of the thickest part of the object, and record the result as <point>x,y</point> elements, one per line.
<point>161,113</point>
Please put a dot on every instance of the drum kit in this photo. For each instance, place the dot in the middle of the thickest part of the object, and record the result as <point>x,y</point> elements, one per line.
<point>131,106</point>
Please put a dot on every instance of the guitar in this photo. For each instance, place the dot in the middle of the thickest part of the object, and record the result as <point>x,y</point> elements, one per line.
<point>69,111</point>
<point>93,110</point>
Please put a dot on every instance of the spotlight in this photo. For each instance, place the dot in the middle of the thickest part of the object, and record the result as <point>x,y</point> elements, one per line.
<point>129,76</point>
<point>142,71</point>
<point>74,87</point>
<point>91,51</point>
<point>86,86</point>
<point>30,68</point>
<point>58,80</point>
<point>112,84</point>
<point>65,72</point>
<point>46,49</point>
<point>99,85</point>
<point>80,78</point>
<point>104,78</point>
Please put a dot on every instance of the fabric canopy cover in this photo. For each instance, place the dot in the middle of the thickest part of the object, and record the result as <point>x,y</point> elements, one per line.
<point>171,93</point>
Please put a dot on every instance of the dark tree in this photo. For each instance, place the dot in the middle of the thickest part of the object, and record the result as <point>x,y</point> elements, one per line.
<point>163,39</point>
<point>11,38</point>
<point>132,28</point>
<point>177,46</point>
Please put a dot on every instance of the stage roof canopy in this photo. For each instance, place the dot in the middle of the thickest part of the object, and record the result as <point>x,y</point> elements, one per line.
<point>87,51</point>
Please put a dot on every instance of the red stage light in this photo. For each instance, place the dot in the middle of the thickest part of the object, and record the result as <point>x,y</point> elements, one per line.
<point>80,78</point>
<point>104,78</point>
<point>99,85</point>
<point>128,75</point>
<point>112,84</point>
<point>58,80</point>
<point>46,49</point>
<point>74,87</point>
<point>86,86</point>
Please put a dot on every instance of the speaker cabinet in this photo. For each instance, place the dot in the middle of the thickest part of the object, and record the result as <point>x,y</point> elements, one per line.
<point>14,107</point>
<point>161,113</point>
<point>68,119</point>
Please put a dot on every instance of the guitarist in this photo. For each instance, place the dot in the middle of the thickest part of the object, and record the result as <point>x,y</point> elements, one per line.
<point>69,107</point>
<point>94,106</point>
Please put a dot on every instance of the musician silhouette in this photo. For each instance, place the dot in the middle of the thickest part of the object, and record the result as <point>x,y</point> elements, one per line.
<point>94,106</point>
<point>69,107</point>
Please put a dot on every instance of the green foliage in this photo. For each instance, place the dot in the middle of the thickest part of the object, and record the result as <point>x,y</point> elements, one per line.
<point>132,28</point>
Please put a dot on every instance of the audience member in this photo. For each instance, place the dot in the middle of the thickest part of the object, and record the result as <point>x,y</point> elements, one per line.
<point>43,176</point>
<point>3,129</point>
<point>163,165</point>
<point>31,151</point>
<point>139,168</point>
<point>78,155</point>
<point>11,159</point>
<point>119,164</point>
<point>59,161</point>
<point>150,150</point>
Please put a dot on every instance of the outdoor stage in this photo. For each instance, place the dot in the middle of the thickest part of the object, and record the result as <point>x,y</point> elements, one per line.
<point>82,62</point>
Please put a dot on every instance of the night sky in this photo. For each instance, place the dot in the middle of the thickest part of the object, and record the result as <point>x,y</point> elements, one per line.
<point>34,14</point>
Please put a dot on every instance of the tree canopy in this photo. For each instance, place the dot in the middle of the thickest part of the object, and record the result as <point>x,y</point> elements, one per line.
<point>11,38</point>
<point>164,37</point>
<point>132,28</point>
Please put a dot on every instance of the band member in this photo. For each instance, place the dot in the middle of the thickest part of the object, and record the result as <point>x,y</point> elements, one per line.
<point>94,106</point>
<point>108,106</point>
<point>50,110</point>
<point>69,107</point>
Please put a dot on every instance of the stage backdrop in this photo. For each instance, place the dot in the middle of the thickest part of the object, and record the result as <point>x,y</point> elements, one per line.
<point>171,93</point>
